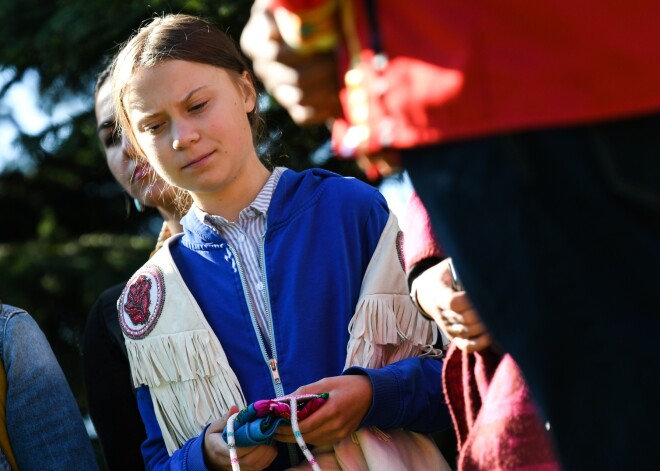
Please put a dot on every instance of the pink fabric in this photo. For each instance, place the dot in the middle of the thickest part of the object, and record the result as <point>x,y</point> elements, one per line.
<point>418,240</point>
<point>495,419</point>
<point>280,407</point>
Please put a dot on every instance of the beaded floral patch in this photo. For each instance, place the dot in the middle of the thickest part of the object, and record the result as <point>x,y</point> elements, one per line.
<point>141,302</point>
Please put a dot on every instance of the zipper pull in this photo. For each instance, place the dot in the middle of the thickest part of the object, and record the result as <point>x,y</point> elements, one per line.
<point>274,371</point>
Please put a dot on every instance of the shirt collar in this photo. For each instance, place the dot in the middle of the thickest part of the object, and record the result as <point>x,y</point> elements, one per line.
<point>259,205</point>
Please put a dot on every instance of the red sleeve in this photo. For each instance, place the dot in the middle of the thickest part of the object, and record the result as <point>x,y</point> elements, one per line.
<point>298,5</point>
<point>419,241</point>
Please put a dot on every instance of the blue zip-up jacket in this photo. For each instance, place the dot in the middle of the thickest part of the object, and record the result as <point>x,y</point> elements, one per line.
<point>322,230</point>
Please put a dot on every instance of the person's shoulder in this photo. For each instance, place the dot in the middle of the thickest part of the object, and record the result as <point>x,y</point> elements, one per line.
<point>321,190</point>
<point>318,179</point>
<point>8,309</point>
<point>102,322</point>
<point>109,296</point>
<point>331,177</point>
<point>103,314</point>
<point>9,312</point>
<point>18,318</point>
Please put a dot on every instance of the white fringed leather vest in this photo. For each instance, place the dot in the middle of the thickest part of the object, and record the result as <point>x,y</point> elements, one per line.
<point>174,352</point>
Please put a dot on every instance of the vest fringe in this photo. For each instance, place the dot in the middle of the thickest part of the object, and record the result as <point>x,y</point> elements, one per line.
<point>386,328</point>
<point>187,387</point>
<point>183,356</point>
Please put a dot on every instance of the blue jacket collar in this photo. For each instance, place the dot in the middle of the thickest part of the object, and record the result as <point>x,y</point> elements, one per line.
<point>295,193</point>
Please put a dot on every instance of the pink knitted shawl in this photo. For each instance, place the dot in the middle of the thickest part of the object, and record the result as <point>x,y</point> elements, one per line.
<point>496,422</point>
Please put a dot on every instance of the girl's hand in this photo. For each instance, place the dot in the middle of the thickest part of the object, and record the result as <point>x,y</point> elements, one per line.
<point>216,451</point>
<point>348,402</point>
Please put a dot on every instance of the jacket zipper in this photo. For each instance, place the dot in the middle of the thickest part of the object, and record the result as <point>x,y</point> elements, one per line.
<point>274,371</point>
<point>272,360</point>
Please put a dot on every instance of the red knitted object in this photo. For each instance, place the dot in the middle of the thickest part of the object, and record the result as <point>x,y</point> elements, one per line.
<point>496,422</point>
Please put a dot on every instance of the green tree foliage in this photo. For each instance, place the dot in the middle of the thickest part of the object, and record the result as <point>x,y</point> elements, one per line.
<point>66,230</point>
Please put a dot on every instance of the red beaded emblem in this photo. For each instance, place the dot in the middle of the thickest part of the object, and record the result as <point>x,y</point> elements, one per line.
<point>141,302</point>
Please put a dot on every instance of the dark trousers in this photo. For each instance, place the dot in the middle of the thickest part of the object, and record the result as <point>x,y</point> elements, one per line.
<point>556,236</point>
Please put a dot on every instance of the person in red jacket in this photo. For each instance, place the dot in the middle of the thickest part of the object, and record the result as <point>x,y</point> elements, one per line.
<point>529,131</point>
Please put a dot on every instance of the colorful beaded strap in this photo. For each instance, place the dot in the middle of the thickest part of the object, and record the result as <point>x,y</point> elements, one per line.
<point>256,424</point>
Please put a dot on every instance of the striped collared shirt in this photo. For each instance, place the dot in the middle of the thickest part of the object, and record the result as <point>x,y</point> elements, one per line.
<point>245,237</point>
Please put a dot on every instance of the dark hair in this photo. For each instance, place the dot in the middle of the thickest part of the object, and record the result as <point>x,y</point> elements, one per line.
<point>104,75</point>
<point>182,198</point>
<point>177,37</point>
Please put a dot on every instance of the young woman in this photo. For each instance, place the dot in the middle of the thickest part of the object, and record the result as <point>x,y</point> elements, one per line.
<point>281,283</point>
<point>109,389</point>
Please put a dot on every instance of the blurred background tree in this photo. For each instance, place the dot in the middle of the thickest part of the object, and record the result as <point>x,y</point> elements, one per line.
<point>67,231</point>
